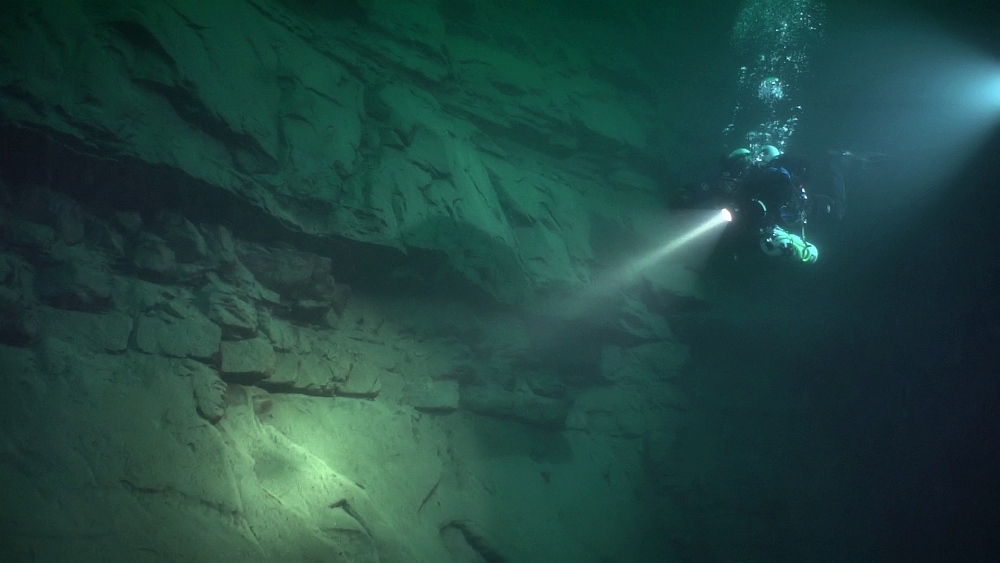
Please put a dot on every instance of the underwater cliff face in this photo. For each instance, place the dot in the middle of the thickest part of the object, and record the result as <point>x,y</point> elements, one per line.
<point>493,134</point>
<point>355,281</point>
<point>257,265</point>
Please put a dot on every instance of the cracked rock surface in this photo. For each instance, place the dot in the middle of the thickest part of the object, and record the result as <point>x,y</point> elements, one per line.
<point>411,429</point>
<point>301,281</point>
<point>432,126</point>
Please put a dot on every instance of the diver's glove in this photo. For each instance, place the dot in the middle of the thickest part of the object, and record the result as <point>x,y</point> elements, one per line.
<point>779,242</point>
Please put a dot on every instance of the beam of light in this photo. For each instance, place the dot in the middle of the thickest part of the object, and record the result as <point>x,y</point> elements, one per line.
<point>916,93</point>
<point>718,219</point>
<point>980,93</point>
<point>993,90</point>
<point>603,291</point>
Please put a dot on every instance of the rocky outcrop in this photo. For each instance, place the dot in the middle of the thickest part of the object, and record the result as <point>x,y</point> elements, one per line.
<point>409,129</point>
<point>247,360</point>
<point>209,390</point>
<point>260,257</point>
<point>254,407</point>
<point>191,336</point>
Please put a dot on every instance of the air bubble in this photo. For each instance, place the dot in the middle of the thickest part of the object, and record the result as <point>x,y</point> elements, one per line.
<point>775,36</point>
<point>771,90</point>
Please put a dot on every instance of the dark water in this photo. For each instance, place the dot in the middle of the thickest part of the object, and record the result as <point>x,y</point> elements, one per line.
<point>862,397</point>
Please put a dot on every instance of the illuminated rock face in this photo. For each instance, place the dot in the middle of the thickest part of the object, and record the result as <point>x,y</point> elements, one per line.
<point>459,130</point>
<point>206,209</point>
<point>206,415</point>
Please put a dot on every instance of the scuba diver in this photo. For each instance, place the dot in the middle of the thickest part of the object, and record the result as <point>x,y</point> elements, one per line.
<point>772,201</point>
<point>767,196</point>
<point>718,187</point>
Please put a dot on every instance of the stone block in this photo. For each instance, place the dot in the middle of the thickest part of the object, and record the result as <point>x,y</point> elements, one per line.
<point>287,271</point>
<point>251,359</point>
<point>363,380</point>
<point>134,296</point>
<point>190,337</point>
<point>306,373</point>
<point>236,317</point>
<point>283,335</point>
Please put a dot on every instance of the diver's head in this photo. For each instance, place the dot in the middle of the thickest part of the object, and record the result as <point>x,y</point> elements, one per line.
<point>734,167</point>
<point>768,153</point>
<point>737,162</point>
<point>739,154</point>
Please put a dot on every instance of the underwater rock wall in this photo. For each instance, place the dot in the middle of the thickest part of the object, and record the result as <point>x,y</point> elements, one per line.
<point>202,359</point>
<point>174,391</point>
<point>415,125</point>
